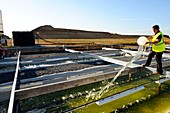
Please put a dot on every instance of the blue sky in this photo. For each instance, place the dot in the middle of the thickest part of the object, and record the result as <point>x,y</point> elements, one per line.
<point>115,16</point>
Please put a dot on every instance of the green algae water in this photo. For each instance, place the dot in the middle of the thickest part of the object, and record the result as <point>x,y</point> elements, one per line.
<point>158,104</point>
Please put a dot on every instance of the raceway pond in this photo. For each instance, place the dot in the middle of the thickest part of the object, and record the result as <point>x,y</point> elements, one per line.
<point>61,101</point>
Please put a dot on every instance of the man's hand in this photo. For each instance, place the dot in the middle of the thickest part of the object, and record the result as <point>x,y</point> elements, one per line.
<point>148,42</point>
<point>149,37</point>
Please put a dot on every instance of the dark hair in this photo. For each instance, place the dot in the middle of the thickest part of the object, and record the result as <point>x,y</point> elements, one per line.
<point>156,27</point>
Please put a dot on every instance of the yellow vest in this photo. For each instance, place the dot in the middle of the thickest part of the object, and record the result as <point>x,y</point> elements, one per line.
<point>160,46</point>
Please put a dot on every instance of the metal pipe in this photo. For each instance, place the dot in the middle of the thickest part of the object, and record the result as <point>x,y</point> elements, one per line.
<point>14,86</point>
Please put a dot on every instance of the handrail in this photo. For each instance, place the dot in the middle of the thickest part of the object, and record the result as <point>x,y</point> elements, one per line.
<point>12,97</point>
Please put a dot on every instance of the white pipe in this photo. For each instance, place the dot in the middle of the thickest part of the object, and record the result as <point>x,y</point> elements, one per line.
<point>12,97</point>
<point>133,53</point>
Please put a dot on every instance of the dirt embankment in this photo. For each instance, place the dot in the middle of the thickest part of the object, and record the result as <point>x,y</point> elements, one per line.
<point>50,32</point>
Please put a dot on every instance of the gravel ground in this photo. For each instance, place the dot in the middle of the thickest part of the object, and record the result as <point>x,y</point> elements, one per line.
<point>102,51</point>
<point>6,77</point>
<point>62,68</point>
<point>4,68</point>
<point>64,54</point>
<point>43,71</point>
<point>45,55</point>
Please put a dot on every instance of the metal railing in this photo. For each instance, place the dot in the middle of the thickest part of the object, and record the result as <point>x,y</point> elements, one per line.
<point>13,102</point>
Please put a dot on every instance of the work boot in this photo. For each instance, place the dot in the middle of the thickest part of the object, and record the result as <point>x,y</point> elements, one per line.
<point>161,75</point>
<point>157,73</point>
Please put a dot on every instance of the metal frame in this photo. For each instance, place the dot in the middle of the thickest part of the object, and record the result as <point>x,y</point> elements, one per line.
<point>17,94</point>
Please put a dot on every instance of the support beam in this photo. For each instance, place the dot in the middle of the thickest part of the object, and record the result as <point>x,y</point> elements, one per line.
<point>130,77</point>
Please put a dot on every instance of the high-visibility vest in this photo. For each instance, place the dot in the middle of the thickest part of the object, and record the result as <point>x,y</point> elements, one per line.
<point>160,46</point>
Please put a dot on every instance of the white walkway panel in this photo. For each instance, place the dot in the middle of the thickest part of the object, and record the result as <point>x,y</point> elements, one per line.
<point>119,95</point>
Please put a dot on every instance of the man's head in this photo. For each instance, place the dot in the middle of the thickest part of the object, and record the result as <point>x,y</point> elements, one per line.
<point>155,28</point>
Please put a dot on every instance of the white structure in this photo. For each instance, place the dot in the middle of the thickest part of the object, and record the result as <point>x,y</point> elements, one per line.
<point>119,95</point>
<point>1,23</point>
<point>119,62</point>
<point>133,53</point>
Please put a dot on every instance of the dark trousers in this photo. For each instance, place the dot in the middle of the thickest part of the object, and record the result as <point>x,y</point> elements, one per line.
<point>158,60</point>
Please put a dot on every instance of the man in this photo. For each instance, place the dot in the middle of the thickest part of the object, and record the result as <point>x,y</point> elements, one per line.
<point>158,47</point>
